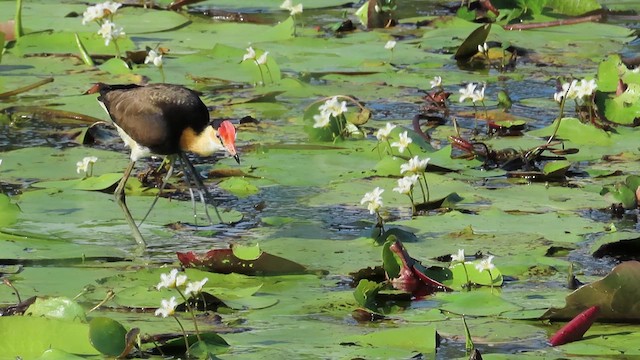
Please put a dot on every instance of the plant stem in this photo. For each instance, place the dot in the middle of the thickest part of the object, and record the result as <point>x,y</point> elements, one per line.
<point>426,185</point>
<point>260,69</point>
<point>269,72</point>
<point>115,43</point>
<point>560,116</point>
<point>486,115</point>
<point>380,223</point>
<point>184,333</point>
<point>17,27</point>
<point>193,315</point>
<point>491,278</point>
<point>467,285</point>
<point>413,205</point>
<point>162,74</point>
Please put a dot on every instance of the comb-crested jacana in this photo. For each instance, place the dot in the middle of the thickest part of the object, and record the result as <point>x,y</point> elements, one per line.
<point>162,119</point>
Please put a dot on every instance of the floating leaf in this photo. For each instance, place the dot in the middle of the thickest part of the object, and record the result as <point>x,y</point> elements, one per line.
<point>469,46</point>
<point>43,334</point>
<point>9,211</point>
<point>556,168</point>
<point>238,186</point>
<point>414,338</point>
<point>225,261</point>
<point>573,8</point>
<point>616,295</point>
<point>57,308</point>
<point>107,336</point>
<point>366,293</point>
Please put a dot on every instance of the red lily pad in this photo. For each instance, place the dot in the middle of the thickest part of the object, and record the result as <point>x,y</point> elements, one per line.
<point>575,329</point>
<point>241,260</point>
<point>408,274</point>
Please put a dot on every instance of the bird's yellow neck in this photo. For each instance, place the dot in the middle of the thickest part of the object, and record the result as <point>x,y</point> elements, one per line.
<point>204,143</point>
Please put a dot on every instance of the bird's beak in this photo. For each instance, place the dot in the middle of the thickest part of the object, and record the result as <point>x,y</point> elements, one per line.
<point>237,157</point>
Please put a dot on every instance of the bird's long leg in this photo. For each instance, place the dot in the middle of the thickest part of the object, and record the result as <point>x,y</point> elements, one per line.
<point>120,199</point>
<point>172,160</point>
<point>204,204</point>
<point>191,170</point>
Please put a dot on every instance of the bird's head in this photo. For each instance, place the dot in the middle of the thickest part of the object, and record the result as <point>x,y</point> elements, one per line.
<point>227,136</point>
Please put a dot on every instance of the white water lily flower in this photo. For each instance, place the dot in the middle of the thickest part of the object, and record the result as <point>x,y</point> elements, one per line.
<point>293,10</point>
<point>373,200</point>
<point>85,163</point>
<point>406,184</point>
<point>250,55</point>
<point>263,58</point>
<point>383,133</point>
<point>111,6</point>
<point>194,288</point>
<point>403,142</point>
<point>468,92</point>
<point>297,9</point>
<point>478,95</point>
<point>334,107</point>
<point>321,120</point>
<point>414,165</point>
<point>437,81</point>
<point>167,307</point>
<point>390,45</point>
<point>154,58</point>
<point>570,89</point>
<point>171,280</point>
<point>99,11</point>
<point>585,88</point>
<point>485,264</point>
<point>109,31</point>
<point>92,13</point>
<point>458,257</point>
<point>558,96</point>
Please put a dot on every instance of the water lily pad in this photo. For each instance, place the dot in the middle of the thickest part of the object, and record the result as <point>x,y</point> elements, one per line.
<point>476,303</point>
<point>9,211</point>
<point>57,308</point>
<point>616,294</point>
<point>107,336</point>
<point>226,261</point>
<point>29,337</point>
<point>238,186</point>
<point>55,354</point>
<point>415,338</point>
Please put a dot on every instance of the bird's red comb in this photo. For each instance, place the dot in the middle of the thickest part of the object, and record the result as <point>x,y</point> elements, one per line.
<point>227,131</point>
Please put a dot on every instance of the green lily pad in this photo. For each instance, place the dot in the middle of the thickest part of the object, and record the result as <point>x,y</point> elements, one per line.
<point>107,336</point>
<point>476,303</point>
<point>9,211</point>
<point>29,337</point>
<point>57,308</point>
<point>55,354</point>
<point>556,168</point>
<point>239,187</point>
<point>575,131</point>
<point>414,338</point>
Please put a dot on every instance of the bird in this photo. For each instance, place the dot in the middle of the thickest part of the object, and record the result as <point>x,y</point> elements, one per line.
<point>162,119</point>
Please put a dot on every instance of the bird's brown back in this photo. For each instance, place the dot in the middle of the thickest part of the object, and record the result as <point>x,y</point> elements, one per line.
<point>155,115</point>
